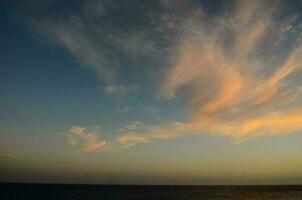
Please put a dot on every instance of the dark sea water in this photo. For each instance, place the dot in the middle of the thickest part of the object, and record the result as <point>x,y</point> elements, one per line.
<point>109,192</point>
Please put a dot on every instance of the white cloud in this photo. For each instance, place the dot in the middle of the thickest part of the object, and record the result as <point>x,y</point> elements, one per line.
<point>72,34</point>
<point>102,46</point>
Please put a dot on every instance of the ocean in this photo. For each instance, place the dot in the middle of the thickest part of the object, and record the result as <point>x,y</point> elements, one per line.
<point>114,192</point>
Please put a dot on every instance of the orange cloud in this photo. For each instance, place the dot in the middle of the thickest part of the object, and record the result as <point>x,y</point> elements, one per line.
<point>84,140</point>
<point>226,70</point>
<point>233,90</point>
<point>268,124</point>
<point>132,139</point>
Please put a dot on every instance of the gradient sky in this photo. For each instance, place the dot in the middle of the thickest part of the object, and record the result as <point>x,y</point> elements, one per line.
<point>151,92</point>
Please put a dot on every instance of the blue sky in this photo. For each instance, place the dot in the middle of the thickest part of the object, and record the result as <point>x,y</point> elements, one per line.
<point>171,92</point>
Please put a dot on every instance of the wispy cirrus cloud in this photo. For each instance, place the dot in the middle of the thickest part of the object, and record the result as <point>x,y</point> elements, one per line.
<point>101,38</point>
<point>85,140</point>
<point>235,73</point>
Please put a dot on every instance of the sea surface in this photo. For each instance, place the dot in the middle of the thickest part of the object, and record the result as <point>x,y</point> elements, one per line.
<point>114,192</point>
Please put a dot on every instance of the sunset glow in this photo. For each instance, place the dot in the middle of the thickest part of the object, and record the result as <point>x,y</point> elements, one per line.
<point>151,92</point>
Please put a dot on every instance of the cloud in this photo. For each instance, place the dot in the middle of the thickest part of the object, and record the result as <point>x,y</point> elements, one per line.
<point>71,33</point>
<point>235,73</point>
<point>121,90</point>
<point>124,109</point>
<point>132,127</point>
<point>275,123</point>
<point>133,133</point>
<point>227,77</point>
<point>84,140</point>
<point>129,140</point>
<point>137,132</point>
<point>100,36</point>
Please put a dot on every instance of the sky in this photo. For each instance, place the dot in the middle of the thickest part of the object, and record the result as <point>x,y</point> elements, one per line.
<point>151,92</point>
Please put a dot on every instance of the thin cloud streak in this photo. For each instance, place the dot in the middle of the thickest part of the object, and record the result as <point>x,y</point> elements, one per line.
<point>104,47</point>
